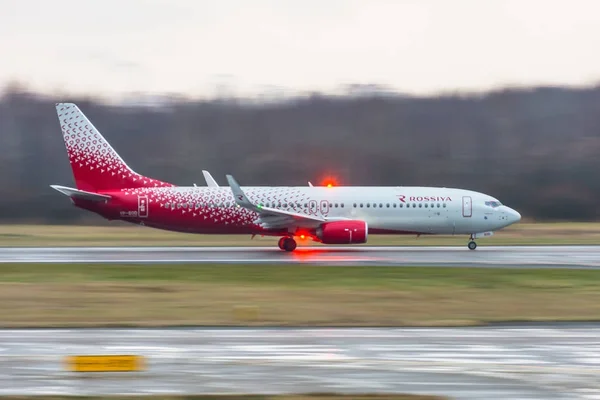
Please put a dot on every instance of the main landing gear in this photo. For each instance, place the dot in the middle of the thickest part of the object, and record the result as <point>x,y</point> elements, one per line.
<point>287,243</point>
<point>472,245</point>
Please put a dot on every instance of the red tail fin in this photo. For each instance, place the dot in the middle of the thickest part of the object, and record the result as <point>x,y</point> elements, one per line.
<point>96,165</point>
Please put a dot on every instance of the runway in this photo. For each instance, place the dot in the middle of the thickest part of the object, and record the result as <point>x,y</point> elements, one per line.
<point>547,362</point>
<point>485,256</point>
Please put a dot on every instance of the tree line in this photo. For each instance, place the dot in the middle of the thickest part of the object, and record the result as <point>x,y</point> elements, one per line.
<point>536,149</point>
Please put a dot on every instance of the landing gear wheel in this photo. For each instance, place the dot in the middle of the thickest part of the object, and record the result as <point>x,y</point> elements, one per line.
<point>289,244</point>
<point>280,243</point>
<point>472,245</point>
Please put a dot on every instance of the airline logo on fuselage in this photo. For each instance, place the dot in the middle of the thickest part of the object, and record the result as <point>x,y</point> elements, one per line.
<point>403,198</point>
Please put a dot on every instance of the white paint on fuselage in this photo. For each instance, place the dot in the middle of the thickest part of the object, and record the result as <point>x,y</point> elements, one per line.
<point>427,210</point>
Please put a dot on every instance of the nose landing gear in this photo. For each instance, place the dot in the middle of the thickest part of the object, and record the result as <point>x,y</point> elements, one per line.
<point>287,243</point>
<point>472,245</point>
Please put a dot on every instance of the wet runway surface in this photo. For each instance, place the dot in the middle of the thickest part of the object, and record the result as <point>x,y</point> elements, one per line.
<point>543,362</point>
<point>485,256</point>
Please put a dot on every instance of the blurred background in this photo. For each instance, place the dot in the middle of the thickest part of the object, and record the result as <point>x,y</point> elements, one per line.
<point>497,96</point>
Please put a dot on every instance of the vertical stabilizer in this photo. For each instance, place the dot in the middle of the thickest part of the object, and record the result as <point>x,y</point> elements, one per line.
<point>96,165</point>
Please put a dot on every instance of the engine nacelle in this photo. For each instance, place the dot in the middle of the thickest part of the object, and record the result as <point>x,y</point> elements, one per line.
<point>343,232</point>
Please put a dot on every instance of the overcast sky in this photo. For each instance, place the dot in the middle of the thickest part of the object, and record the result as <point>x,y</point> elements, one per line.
<point>190,46</point>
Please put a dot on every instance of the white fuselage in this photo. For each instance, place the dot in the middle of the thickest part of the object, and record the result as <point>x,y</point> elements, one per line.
<point>425,210</point>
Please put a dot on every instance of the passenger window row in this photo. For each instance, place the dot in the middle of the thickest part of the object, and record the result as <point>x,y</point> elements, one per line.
<point>401,205</point>
<point>196,205</point>
<point>229,204</point>
<point>298,205</point>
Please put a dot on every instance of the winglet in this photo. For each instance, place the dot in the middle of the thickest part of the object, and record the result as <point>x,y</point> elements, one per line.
<point>310,184</point>
<point>210,182</point>
<point>239,196</point>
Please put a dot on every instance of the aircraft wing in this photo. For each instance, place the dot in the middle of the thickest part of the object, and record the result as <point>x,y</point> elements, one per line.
<point>210,182</point>
<point>271,218</point>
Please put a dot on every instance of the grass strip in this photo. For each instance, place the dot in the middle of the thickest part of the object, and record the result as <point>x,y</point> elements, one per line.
<point>51,295</point>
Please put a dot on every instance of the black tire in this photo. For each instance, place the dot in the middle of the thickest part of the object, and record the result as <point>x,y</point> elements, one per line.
<point>472,245</point>
<point>289,244</point>
<point>280,243</point>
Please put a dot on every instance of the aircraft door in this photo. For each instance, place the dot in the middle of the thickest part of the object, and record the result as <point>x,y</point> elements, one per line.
<point>143,206</point>
<point>312,207</point>
<point>467,206</point>
<point>324,207</point>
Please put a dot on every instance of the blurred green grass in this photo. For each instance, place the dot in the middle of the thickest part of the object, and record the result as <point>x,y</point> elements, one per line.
<point>291,275</point>
<point>300,295</point>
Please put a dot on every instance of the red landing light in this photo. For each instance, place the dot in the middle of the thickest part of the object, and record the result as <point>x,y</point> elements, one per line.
<point>303,237</point>
<point>329,182</point>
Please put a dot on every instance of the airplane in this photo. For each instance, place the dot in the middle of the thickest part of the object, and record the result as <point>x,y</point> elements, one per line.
<point>107,186</point>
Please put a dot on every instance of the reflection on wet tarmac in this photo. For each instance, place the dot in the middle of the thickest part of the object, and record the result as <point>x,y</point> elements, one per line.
<point>544,362</point>
<point>484,257</point>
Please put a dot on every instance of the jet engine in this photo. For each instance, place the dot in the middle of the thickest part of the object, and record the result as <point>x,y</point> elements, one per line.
<point>343,232</point>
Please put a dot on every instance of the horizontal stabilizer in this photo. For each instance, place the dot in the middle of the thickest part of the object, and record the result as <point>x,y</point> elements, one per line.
<point>80,194</point>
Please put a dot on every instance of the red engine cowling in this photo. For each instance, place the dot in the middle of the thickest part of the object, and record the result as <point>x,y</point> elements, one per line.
<point>343,232</point>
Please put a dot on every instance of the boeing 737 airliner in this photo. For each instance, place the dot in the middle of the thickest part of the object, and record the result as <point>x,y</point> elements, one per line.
<point>331,215</point>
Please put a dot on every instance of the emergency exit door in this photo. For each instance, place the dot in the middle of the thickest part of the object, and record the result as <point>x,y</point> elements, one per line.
<point>143,206</point>
<point>467,206</point>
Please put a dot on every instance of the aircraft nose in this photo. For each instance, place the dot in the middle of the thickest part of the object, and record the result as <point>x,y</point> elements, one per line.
<point>514,215</point>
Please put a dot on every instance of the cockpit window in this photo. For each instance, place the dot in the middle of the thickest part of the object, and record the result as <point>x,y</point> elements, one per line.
<point>493,204</point>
